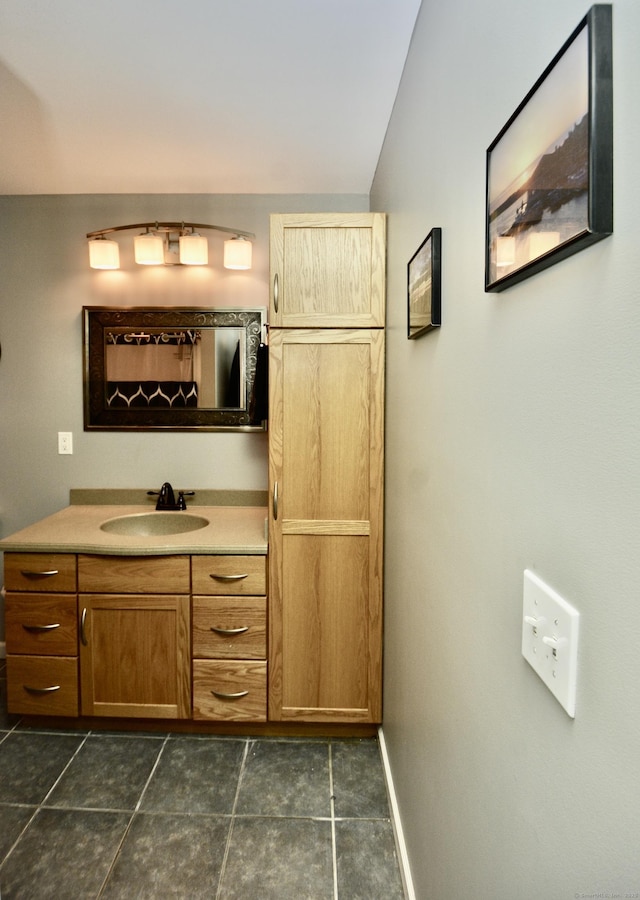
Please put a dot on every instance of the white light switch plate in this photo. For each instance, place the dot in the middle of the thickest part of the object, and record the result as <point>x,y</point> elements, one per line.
<point>550,639</point>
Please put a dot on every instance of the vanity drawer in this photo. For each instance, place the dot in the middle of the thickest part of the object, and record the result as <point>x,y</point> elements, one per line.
<point>40,571</point>
<point>230,627</point>
<point>230,691</point>
<point>44,624</point>
<point>245,575</point>
<point>134,574</point>
<point>42,685</point>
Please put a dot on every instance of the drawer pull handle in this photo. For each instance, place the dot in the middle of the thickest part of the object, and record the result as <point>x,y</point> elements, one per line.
<point>37,690</point>
<point>228,578</point>
<point>36,629</point>
<point>275,500</point>
<point>29,574</point>
<point>83,619</point>
<point>229,630</point>
<point>222,695</point>
<point>276,292</point>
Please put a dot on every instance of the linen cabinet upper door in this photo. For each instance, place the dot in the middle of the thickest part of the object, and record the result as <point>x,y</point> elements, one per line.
<point>327,270</point>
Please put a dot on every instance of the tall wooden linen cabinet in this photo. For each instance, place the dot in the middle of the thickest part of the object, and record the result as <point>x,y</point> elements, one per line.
<point>326,457</point>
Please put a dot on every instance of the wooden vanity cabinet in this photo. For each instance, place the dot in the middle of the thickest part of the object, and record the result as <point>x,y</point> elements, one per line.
<point>229,622</point>
<point>326,447</point>
<point>135,637</point>
<point>41,634</point>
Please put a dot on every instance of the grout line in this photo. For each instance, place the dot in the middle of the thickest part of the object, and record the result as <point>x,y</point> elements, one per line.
<point>332,798</point>
<point>19,838</point>
<point>130,822</point>
<point>151,774</point>
<point>225,857</point>
<point>398,832</point>
<point>57,781</point>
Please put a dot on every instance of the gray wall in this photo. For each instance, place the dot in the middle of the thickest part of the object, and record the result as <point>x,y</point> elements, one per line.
<point>512,442</point>
<point>46,280</point>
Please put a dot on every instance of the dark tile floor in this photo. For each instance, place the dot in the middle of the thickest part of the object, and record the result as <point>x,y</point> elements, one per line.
<point>125,815</point>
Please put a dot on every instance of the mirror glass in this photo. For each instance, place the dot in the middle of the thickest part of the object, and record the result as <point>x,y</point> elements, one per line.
<point>174,369</point>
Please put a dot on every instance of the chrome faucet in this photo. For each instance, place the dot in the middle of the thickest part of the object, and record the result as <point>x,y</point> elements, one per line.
<point>167,498</point>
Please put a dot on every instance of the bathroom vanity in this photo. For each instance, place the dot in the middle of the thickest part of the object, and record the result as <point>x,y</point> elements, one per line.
<point>142,626</point>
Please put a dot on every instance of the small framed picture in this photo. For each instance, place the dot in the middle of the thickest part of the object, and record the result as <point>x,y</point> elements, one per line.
<point>424,285</point>
<point>550,169</point>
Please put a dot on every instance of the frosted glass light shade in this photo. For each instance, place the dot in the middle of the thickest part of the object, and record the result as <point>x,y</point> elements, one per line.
<point>237,254</point>
<point>104,254</point>
<point>194,250</point>
<point>149,249</point>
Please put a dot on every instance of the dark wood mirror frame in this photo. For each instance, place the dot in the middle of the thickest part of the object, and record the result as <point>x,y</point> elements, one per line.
<point>100,324</point>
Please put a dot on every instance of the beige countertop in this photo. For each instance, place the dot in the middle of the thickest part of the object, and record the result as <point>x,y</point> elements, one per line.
<point>76,529</point>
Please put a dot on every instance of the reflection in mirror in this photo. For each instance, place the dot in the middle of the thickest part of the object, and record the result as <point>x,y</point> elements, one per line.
<point>174,368</point>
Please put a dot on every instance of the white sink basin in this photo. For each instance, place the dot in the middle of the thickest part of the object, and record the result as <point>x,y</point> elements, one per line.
<point>152,524</point>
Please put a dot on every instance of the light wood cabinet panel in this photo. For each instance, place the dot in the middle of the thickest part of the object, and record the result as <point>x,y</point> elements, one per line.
<point>230,690</point>
<point>326,480</point>
<point>43,624</point>
<point>40,572</point>
<point>229,575</point>
<point>135,655</point>
<point>134,574</point>
<point>327,270</point>
<point>42,685</point>
<point>230,627</point>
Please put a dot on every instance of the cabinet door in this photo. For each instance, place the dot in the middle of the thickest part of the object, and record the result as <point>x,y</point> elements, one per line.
<point>135,655</point>
<point>327,270</point>
<point>325,526</point>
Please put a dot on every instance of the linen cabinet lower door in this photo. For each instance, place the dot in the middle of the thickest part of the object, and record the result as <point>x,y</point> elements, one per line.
<point>326,648</point>
<point>135,654</point>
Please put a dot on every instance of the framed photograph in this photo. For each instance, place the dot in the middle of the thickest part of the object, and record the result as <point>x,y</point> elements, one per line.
<point>424,285</point>
<point>550,170</point>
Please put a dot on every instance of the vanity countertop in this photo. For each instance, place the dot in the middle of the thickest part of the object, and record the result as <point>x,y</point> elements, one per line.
<point>76,529</point>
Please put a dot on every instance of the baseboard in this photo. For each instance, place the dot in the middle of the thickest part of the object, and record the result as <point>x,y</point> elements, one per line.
<point>401,847</point>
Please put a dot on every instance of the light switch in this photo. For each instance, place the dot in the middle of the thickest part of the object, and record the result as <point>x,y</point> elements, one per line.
<point>550,639</point>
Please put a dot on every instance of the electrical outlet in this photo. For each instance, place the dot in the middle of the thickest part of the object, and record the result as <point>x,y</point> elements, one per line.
<point>550,639</point>
<point>65,442</point>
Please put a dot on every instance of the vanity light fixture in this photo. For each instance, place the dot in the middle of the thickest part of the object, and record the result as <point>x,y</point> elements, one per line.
<point>237,253</point>
<point>169,243</point>
<point>104,254</point>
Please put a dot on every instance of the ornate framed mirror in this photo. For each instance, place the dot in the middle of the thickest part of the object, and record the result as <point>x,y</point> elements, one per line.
<point>174,369</point>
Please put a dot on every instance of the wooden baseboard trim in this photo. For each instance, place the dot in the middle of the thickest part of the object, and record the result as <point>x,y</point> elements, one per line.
<point>401,847</point>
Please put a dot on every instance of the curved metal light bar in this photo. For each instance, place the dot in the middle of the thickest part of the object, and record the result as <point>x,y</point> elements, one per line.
<point>169,243</point>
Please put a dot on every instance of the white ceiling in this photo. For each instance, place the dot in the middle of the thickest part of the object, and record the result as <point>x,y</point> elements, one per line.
<point>203,96</point>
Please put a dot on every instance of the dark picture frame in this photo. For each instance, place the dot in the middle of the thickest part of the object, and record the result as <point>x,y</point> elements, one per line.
<point>549,176</point>
<point>424,286</point>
